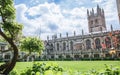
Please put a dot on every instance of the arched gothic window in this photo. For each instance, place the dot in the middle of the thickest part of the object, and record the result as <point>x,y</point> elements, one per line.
<point>108,42</point>
<point>96,21</point>
<point>71,45</point>
<point>88,44</point>
<point>51,46</point>
<point>97,43</point>
<point>58,46</point>
<point>64,46</point>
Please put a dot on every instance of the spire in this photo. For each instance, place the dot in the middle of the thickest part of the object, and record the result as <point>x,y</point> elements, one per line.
<point>82,32</point>
<point>111,28</point>
<point>74,33</point>
<point>47,37</point>
<point>87,12</point>
<point>102,11</point>
<point>97,6</point>
<point>92,11</point>
<point>55,36</point>
<point>67,34</point>
<point>98,9</point>
<point>60,35</point>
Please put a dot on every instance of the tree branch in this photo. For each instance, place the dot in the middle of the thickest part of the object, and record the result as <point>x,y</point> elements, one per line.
<point>5,51</point>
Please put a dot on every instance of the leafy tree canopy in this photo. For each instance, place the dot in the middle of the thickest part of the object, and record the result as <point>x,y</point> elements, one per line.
<point>9,25</point>
<point>10,30</point>
<point>32,44</point>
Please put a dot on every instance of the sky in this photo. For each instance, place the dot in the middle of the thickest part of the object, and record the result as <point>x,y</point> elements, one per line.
<point>54,17</point>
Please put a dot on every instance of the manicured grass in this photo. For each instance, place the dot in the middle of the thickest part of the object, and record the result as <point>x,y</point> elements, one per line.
<point>73,65</point>
<point>88,65</point>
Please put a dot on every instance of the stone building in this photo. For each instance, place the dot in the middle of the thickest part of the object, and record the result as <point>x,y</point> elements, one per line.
<point>96,21</point>
<point>118,7</point>
<point>101,45</point>
<point>5,55</point>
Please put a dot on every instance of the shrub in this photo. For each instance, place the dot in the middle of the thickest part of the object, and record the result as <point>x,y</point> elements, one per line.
<point>14,72</point>
<point>42,68</point>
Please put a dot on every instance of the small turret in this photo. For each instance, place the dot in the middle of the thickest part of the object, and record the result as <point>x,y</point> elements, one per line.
<point>98,10</point>
<point>102,11</point>
<point>87,12</point>
<point>74,33</point>
<point>60,35</point>
<point>92,11</point>
<point>47,37</point>
<point>67,34</point>
<point>82,32</point>
<point>111,28</point>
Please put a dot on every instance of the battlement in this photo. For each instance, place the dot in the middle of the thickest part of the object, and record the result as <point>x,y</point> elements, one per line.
<point>96,21</point>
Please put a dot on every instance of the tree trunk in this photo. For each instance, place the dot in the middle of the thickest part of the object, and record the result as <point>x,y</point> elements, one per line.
<point>14,60</point>
<point>15,54</point>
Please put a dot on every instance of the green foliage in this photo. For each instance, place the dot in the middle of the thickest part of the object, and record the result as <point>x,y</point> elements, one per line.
<point>14,72</point>
<point>7,11</point>
<point>10,30</point>
<point>110,70</point>
<point>32,44</point>
<point>1,39</point>
<point>43,69</point>
<point>75,67</point>
<point>55,69</point>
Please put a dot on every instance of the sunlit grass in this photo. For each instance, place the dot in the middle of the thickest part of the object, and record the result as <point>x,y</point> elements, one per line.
<point>73,65</point>
<point>82,66</point>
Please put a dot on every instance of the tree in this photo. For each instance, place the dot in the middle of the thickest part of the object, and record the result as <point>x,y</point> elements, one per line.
<point>9,30</point>
<point>32,44</point>
<point>1,39</point>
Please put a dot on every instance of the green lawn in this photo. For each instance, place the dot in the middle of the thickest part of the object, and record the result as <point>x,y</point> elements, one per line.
<point>74,65</point>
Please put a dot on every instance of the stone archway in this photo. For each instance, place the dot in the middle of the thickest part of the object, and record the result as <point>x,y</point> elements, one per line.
<point>76,57</point>
<point>86,56</point>
<point>68,56</point>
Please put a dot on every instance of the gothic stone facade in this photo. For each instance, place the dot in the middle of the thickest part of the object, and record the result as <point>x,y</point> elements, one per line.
<point>84,46</point>
<point>94,45</point>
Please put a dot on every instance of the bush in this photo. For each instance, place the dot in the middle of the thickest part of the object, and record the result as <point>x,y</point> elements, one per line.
<point>42,68</point>
<point>14,72</point>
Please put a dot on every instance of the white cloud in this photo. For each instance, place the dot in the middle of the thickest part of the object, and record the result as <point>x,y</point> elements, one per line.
<point>111,14</point>
<point>54,19</point>
<point>97,1</point>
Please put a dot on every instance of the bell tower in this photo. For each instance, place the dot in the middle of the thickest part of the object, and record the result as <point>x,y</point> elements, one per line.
<point>96,21</point>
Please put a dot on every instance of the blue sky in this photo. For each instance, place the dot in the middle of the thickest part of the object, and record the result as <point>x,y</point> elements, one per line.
<point>50,17</point>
